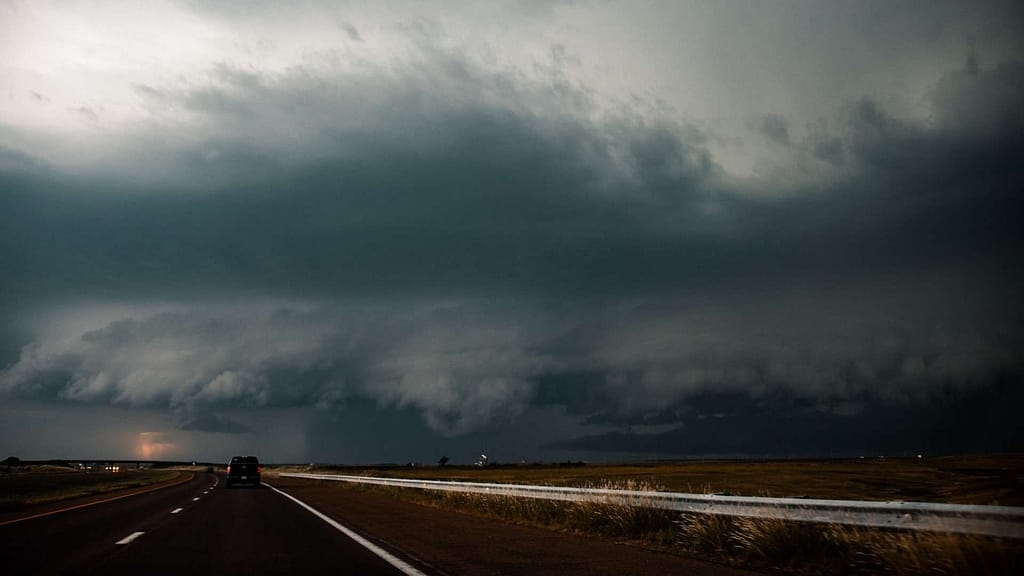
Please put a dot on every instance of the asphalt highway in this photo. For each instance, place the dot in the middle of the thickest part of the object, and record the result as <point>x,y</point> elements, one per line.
<point>191,528</point>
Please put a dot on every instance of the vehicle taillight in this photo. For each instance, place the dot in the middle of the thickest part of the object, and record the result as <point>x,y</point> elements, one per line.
<point>229,469</point>
<point>259,469</point>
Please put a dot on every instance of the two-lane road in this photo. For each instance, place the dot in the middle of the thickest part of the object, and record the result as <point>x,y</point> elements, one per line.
<point>194,527</point>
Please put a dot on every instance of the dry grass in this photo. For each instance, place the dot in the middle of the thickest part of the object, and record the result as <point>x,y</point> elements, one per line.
<point>772,545</point>
<point>34,486</point>
<point>967,480</point>
<point>589,516</point>
<point>806,548</point>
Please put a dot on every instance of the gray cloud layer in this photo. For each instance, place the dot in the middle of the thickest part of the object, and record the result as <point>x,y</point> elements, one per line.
<point>494,190</point>
<point>469,243</point>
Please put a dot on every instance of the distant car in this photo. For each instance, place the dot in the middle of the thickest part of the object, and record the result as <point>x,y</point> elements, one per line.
<point>244,470</point>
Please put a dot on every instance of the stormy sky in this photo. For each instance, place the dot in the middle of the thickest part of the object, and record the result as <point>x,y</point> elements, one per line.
<point>369,232</point>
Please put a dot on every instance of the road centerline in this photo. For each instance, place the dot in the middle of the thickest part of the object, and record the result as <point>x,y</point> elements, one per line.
<point>176,510</point>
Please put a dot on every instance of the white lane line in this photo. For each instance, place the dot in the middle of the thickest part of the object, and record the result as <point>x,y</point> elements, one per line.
<point>399,564</point>
<point>129,538</point>
<point>176,510</point>
<point>205,493</point>
<point>196,499</point>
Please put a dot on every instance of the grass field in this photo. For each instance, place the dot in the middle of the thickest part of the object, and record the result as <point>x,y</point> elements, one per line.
<point>771,545</point>
<point>25,486</point>
<point>965,479</point>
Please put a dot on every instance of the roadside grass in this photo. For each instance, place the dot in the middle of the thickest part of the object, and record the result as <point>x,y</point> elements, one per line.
<point>994,480</point>
<point>29,486</point>
<point>772,545</point>
<point>834,549</point>
<point>634,520</point>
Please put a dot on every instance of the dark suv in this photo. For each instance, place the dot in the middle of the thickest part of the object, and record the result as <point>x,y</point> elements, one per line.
<point>243,470</point>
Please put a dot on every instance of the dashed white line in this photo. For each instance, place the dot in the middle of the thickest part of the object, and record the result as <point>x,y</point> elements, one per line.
<point>176,510</point>
<point>129,537</point>
<point>402,566</point>
<point>196,499</point>
<point>205,493</point>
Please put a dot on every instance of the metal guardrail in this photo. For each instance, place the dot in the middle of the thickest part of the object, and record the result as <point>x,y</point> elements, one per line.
<point>1002,521</point>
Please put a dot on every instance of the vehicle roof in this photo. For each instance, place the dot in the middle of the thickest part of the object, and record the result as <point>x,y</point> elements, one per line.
<point>245,459</point>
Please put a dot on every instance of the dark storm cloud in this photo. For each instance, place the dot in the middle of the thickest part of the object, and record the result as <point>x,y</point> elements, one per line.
<point>773,127</point>
<point>456,365</point>
<point>432,214</point>
<point>916,196</point>
<point>981,420</point>
<point>351,31</point>
<point>441,180</point>
<point>981,104</point>
<point>207,422</point>
<point>478,198</point>
<point>830,149</point>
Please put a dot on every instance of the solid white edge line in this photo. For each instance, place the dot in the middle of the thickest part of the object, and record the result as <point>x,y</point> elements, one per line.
<point>399,564</point>
<point>129,538</point>
<point>176,510</point>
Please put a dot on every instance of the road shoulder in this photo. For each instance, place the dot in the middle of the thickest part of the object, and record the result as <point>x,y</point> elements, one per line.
<point>459,544</point>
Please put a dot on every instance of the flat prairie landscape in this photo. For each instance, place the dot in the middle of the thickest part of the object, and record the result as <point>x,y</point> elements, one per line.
<point>29,485</point>
<point>993,480</point>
